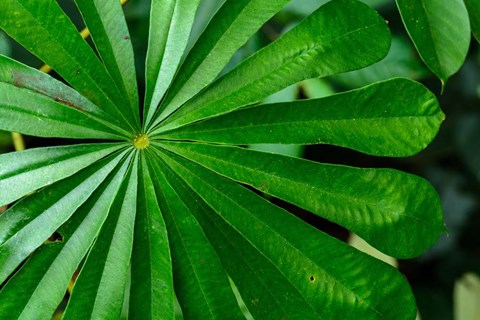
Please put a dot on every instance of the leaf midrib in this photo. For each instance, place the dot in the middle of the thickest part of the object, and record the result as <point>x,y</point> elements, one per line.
<point>298,122</point>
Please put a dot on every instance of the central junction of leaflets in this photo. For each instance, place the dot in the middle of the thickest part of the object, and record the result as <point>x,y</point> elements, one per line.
<point>141,142</point>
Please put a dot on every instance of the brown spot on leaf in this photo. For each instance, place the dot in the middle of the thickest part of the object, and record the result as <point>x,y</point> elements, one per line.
<point>67,103</point>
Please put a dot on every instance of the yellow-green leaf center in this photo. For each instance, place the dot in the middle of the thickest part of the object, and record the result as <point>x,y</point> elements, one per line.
<point>141,141</point>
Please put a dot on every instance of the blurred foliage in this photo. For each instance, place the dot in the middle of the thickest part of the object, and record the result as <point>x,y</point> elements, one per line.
<point>466,297</point>
<point>451,163</point>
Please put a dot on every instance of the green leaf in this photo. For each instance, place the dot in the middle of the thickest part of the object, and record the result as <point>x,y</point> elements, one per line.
<point>26,111</point>
<point>367,120</point>
<point>170,26</point>
<point>109,31</point>
<point>151,292</point>
<point>26,171</point>
<point>201,285</point>
<point>398,213</point>
<point>37,289</point>
<point>340,36</point>
<point>22,76</point>
<point>440,31</point>
<point>104,273</point>
<point>266,291</point>
<point>230,28</point>
<point>473,7</point>
<point>45,30</point>
<point>26,225</point>
<point>323,269</point>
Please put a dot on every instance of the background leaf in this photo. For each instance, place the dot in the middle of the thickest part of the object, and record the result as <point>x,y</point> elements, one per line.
<point>466,295</point>
<point>440,31</point>
<point>473,7</point>
<point>401,61</point>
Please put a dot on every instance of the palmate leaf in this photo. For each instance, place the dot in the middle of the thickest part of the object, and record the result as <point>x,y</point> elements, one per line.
<point>169,212</point>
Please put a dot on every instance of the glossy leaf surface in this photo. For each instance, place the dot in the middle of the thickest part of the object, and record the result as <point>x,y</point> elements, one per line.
<point>473,7</point>
<point>359,37</point>
<point>366,120</point>
<point>440,31</point>
<point>344,195</point>
<point>39,286</point>
<point>170,24</point>
<point>253,273</point>
<point>107,25</point>
<point>151,292</point>
<point>45,30</point>
<point>22,76</point>
<point>201,285</point>
<point>105,270</point>
<point>26,225</point>
<point>35,114</point>
<point>35,168</point>
<point>282,238</point>
<point>229,29</point>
